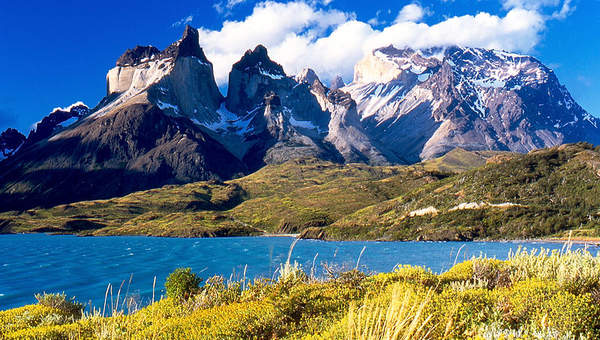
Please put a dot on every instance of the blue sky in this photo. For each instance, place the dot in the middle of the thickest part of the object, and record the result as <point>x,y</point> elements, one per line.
<point>57,53</point>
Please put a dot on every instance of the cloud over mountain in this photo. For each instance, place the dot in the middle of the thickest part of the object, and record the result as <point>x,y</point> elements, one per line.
<point>301,33</point>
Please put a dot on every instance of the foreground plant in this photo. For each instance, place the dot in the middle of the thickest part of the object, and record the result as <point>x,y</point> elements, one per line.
<point>532,295</point>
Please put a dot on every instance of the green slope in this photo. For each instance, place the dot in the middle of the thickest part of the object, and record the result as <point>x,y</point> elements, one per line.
<point>503,195</point>
<point>279,198</point>
<point>539,194</point>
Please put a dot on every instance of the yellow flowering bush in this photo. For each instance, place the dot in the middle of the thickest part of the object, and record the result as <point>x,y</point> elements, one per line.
<point>530,296</point>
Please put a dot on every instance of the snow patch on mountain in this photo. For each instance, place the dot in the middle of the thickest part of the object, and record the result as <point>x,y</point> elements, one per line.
<point>305,124</point>
<point>270,75</point>
<point>166,106</point>
<point>229,122</point>
<point>75,105</point>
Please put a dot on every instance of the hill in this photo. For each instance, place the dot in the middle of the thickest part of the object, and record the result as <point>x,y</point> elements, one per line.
<point>282,198</point>
<point>460,196</point>
<point>525,196</point>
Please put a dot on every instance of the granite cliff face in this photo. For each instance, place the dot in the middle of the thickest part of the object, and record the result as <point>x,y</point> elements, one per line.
<point>164,120</point>
<point>142,135</point>
<point>179,80</point>
<point>430,101</point>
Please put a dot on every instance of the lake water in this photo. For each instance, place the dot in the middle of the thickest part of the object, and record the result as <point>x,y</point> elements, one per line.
<point>84,266</point>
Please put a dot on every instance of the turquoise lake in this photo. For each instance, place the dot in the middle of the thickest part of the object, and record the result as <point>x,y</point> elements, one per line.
<point>84,266</point>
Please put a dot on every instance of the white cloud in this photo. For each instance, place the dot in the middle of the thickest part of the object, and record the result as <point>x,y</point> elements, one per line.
<point>183,21</point>
<point>561,8</point>
<point>226,6</point>
<point>412,12</point>
<point>299,34</point>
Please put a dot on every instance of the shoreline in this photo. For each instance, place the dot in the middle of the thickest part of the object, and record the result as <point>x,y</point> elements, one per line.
<point>592,241</point>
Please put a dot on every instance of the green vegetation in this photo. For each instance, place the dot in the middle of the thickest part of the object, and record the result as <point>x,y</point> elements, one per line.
<point>460,196</point>
<point>282,198</point>
<point>543,193</point>
<point>532,295</point>
<point>182,284</point>
<point>67,307</point>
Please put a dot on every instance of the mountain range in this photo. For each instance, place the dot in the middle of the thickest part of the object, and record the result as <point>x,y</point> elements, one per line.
<point>164,121</point>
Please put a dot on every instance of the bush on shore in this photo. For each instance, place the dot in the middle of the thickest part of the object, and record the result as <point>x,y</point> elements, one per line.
<point>532,295</point>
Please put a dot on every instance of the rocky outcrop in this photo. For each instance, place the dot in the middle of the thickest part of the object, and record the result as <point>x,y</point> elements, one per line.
<point>427,102</point>
<point>10,141</point>
<point>179,80</point>
<point>58,119</point>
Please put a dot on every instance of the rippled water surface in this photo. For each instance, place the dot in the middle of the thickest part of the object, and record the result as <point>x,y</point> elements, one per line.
<point>84,266</point>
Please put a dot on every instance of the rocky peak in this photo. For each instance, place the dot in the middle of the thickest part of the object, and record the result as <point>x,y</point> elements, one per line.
<point>257,61</point>
<point>10,141</point>
<point>187,46</point>
<point>337,83</point>
<point>251,78</point>
<point>179,80</point>
<point>307,76</point>
<point>138,55</point>
<point>338,97</point>
<point>58,118</point>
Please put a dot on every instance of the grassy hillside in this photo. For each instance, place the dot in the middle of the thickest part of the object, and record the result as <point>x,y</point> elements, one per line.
<point>524,196</point>
<point>279,198</point>
<point>530,296</point>
<point>460,196</point>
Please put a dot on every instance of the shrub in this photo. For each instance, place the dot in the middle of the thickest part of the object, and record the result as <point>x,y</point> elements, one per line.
<point>217,292</point>
<point>398,313</point>
<point>182,284</point>
<point>59,301</point>
<point>460,272</point>
<point>577,271</point>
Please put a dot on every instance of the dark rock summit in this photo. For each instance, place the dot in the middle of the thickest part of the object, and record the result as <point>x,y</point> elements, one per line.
<point>137,55</point>
<point>187,46</point>
<point>55,120</point>
<point>10,141</point>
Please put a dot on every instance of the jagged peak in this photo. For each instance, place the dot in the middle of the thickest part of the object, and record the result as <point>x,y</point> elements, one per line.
<point>258,61</point>
<point>307,76</point>
<point>77,107</point>
<point>11,139</point>
<point>138,55</point>
<point>337,83</point>
<point>187,46</point>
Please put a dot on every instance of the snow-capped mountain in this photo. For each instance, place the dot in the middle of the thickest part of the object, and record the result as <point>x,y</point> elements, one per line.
<point>427,102</point>
<point>141,135</point>
<point>164,120</point>
<point>276,117</point>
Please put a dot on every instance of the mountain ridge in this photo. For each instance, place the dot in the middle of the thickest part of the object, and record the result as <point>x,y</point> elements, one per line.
<point>404,106</point>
